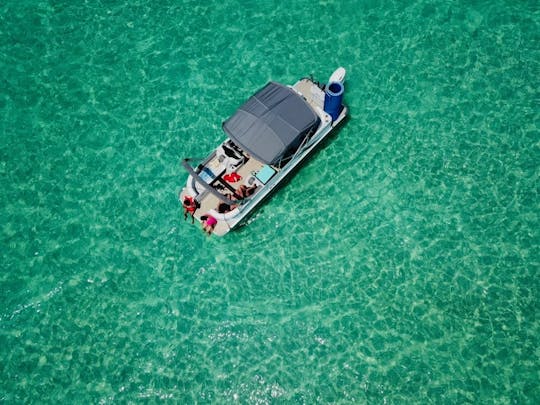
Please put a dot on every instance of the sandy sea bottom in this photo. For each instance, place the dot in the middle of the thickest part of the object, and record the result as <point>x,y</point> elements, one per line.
<point>399,265</point>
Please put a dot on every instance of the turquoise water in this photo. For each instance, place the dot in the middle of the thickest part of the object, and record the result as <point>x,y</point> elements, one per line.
<point>400,265</point>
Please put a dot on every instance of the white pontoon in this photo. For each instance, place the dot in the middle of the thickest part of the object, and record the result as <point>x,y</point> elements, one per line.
<point>268,136</point>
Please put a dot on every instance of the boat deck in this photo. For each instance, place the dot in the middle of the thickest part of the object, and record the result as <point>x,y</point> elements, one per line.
<point>208,201</point>
<point>311,92</point>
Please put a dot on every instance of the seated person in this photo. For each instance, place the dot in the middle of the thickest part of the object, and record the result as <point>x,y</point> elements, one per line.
<point>244,191</point>
<point>223,208</point>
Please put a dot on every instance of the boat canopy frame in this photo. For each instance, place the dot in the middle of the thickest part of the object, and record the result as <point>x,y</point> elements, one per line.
<point>208,187</point>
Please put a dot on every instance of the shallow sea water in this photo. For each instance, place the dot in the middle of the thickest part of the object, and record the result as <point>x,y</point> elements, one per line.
<point>399,265</point>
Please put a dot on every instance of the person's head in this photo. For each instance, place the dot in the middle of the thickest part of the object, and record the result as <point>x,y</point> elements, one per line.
<point>187,201</point>
<point>251,190</point>
<point>223,208</point>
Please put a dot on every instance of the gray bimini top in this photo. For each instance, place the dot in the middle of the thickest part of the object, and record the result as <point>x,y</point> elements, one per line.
<point>272,123</point>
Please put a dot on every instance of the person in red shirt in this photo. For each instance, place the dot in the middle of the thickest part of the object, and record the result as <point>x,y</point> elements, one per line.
<point>190,206</point>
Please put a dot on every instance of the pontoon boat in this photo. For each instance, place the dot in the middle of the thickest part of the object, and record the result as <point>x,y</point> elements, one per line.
<point>268,136</point>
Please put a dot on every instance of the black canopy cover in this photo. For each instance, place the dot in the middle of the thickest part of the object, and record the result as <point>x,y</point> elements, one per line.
<point>272,123</point>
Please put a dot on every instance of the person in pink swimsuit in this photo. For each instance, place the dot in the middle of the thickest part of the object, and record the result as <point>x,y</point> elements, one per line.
<point>208,223</point>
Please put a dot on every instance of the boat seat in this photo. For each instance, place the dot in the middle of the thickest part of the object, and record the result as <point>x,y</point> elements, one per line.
<point>229,158</point>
